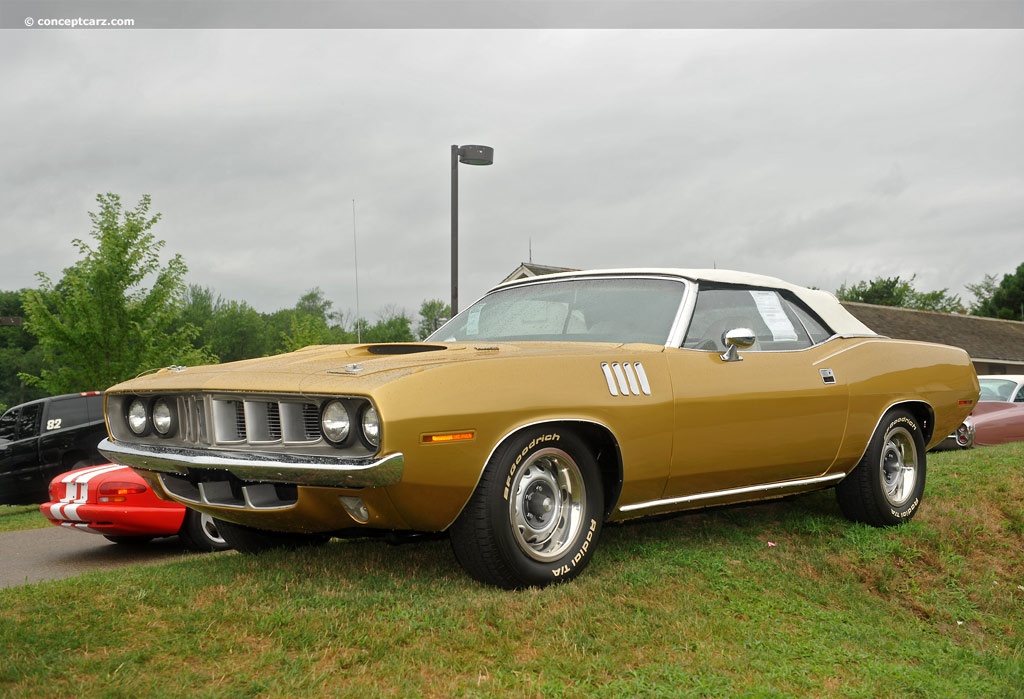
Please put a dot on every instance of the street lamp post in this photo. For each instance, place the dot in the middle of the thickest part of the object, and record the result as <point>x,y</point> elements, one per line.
<point>470,155</point>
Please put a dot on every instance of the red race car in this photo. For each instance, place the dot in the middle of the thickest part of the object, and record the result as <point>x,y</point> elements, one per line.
<point>115,502</point>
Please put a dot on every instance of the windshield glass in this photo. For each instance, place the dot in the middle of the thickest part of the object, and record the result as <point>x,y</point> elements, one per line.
<point>997,389</point>
<point>573,310</point>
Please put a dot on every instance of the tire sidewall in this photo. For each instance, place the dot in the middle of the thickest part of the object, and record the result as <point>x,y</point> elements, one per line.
<point>902,513</point>
<point>511,458</point>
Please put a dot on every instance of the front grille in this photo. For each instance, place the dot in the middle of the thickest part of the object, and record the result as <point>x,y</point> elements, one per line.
<point>262,421</point>
<point>287,423</point>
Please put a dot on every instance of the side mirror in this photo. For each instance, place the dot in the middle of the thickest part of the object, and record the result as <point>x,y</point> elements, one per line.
<point>735,340</point>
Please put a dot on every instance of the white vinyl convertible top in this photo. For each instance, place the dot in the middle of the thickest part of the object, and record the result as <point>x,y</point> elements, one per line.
<point>823,303</point>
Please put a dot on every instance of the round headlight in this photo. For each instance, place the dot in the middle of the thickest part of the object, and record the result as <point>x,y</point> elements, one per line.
<point>137,416</point>
<point>371,426</point>
<point>335,422</point>
<point>163,417</point>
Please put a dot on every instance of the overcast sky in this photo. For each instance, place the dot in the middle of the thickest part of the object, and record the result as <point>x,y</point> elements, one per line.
<point>819,156</point>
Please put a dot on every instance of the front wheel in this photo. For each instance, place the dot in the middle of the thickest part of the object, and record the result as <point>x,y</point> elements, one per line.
<point>535,517</point>
<point>199,532</point>
<point>887,485</point>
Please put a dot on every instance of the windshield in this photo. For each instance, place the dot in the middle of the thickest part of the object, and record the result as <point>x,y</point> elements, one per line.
<point>573,310</point>
<point>997,389</point>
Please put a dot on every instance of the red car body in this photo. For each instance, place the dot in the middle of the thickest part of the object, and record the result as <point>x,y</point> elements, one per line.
<point>114,501</point>
<point>998,423</point>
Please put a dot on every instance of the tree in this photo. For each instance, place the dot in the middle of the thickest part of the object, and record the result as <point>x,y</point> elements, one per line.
<point>982,291</point>
<point>893,291</point>
<point>393,326</point>
<point>19,353</point>
<point>1006,300</point>
<point>99,324</point>
<point>231,330</point>
<point>433,314</point>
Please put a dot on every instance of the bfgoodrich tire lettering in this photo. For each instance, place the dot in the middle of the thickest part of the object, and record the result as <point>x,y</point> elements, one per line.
<point>536,514</point>
<point>887,485</point>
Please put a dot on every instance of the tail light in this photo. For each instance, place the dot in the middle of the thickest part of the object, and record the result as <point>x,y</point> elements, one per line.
<point>118,491</point>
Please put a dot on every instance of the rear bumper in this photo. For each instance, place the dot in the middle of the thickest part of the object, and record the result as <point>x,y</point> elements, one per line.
<point>116,520</point>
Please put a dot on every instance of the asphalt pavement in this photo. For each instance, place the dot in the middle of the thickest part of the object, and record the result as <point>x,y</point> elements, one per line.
<point>53,553</point>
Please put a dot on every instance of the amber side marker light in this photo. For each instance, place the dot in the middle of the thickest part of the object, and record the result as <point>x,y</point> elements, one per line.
<point>448,437</point>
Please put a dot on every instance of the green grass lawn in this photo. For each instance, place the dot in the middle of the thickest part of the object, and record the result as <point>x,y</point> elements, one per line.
<point>16,517</point>
<point>785,599</point>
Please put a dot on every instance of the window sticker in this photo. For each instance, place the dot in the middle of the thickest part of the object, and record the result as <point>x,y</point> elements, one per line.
<point>473,322</point>
<point>770,308</point>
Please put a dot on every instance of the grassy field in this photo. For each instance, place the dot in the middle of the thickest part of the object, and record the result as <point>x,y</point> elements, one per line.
<point>778,600</point>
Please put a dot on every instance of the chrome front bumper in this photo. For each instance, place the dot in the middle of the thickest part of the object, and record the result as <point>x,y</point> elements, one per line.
<point>294,469</point>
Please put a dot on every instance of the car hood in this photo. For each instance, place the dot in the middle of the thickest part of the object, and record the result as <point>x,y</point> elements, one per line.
<point>357,367</point>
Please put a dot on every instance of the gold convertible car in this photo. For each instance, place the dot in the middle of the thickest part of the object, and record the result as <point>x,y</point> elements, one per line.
<point>550,406</point>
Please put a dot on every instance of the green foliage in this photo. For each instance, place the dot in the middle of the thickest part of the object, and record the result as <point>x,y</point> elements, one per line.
<point>393,326</point>
<point>230,330</point>
<point>433,314</point>
<point>894,291</point>
<point>19,354</point>
<point>100,324</point>
<point>1006,300</point>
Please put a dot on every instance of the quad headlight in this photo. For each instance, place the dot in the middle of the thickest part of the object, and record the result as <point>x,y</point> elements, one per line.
<point>163,417</point>
<point>335,422</point>
<point>137,416</point>
<point>141,415</point>
<point>371,426</point>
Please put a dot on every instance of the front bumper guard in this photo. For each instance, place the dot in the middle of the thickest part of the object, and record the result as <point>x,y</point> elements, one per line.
<point>297,469</point>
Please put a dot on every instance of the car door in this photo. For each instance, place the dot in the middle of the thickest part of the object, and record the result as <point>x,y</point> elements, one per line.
<point>771,413</point>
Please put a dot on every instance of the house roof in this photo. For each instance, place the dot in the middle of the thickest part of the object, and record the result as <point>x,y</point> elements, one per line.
<point>529,269</point>
<point>985,339</point>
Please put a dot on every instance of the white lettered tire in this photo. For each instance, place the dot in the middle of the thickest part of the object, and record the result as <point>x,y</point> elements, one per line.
<point>535,517</point>
<point>887,485</point>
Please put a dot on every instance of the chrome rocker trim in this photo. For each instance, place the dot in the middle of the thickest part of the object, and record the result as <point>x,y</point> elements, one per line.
<point>766,487</point>
<point>285,468</point>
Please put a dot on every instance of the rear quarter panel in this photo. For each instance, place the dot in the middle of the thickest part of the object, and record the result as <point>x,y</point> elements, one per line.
<point>882,372</point>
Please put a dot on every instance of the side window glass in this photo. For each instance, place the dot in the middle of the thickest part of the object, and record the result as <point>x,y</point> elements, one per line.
<point>773,319</point>
<point>9,424</point>
<point>95,407</point>
<point>1019,398</point>
<point>28,421</point>
<point>812,324</point>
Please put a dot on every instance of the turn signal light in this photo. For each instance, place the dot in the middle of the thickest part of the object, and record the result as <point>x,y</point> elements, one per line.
<point>446,437</point>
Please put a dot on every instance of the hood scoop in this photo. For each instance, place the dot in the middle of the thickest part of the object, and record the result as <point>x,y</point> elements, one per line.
<point>403,349</point>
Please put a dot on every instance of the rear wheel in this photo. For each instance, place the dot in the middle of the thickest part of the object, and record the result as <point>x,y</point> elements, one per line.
<point>535,517</point>
<point>887,485</point>
<point>199,532</point>
<point>249,540</point>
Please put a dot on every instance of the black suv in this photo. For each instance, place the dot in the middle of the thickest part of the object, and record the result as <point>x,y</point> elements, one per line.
<point>46,437</point>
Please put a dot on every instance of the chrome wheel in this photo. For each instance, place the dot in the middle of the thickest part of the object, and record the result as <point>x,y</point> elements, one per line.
<point>209,527</point>
<point>547,501</point>
<point>899,466</point>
